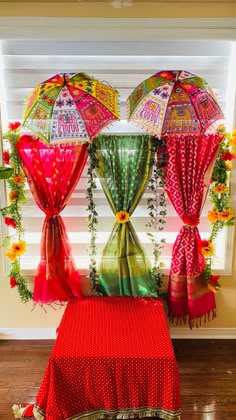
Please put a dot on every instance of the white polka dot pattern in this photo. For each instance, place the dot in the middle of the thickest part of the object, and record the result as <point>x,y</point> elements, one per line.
<point>112,358</point>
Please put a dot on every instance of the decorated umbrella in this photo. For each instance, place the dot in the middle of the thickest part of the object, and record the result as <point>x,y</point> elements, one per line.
<point>69,107</point>
<point>174,102</point>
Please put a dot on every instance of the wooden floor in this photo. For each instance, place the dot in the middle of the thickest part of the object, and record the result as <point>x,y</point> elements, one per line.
<point>207,371</point>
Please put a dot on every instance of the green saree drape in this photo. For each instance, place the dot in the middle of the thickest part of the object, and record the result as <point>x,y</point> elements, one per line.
<point>123,166</point>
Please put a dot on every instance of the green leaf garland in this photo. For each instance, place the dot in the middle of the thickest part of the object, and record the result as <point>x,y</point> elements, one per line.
<point>92,218</point>
<point>156,206</point>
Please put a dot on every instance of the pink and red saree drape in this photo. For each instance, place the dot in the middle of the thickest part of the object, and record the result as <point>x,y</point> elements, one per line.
<point>52,173</point>
<point>190,162</point>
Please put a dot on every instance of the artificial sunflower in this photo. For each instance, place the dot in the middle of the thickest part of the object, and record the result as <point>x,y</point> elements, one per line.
<point>207,248</point>
<point>228,165</point>
<point>19,247</point>
<point>212,215</point>
<point>18,179</point>
<point>122,216</point>
<point>220,189</point>
<point>12,196</point>
<point>11,255</point>
<point>232,139</point>
<point>225,215</point>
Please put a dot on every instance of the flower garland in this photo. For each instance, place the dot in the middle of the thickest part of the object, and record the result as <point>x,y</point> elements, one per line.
<point>156,206</point>
<point>15,178</point>
<point>222,215</point>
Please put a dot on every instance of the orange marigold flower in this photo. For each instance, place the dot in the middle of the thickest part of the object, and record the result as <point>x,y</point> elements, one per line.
<point>18,248</point>
<point>14,125</point>
<point>220,189</point>
<point>12,196</point>
<point>228,165</point>
<point>207,248</point>
<point>212,215</point>
<point>122,216</point>
<point>18,179</point>
<point>226,215</point>
<point>11,255</point>
<point>213,289</point>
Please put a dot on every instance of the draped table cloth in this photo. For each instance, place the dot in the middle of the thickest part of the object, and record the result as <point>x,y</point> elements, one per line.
<point>112,358</point>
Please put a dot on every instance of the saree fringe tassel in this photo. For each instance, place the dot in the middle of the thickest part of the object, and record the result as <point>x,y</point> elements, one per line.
<point>193,323</point>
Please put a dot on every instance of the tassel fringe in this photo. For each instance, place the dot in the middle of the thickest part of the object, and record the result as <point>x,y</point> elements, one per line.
<point>193,323</point>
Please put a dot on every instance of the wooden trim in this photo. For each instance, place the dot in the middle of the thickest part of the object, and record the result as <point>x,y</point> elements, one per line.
<point>147,9</point>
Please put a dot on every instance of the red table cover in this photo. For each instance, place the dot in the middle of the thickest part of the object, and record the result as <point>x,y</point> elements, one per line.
<point>113,357</point>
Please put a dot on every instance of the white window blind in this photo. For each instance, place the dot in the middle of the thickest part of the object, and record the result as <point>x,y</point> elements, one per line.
<point>75,218</point>
<point>123,65</point>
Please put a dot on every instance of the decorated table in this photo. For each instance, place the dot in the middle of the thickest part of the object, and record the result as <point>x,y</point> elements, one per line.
<point>112,358</point>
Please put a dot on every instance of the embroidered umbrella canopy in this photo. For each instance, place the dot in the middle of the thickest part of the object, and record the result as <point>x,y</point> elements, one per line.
<point>171,102</point>
<point>69,107</point>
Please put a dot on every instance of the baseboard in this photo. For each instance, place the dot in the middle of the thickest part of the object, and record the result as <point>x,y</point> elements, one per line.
<point>27,333</point>
<point>201,333</point>
<point>50,333</point>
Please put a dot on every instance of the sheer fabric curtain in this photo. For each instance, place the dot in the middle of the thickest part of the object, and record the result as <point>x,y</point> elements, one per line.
<point>190,164</point>
<point>52,173</point>
<point>124,164</point>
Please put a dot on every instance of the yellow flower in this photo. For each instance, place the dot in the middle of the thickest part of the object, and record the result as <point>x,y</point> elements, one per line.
<point>208,250</point>
<point>213,216</point>
<point>12,196</point>
<point>220,189</point>
<point>232,139</point>
<point>18,248</point>
<point>213,289</point>
<point>18,179</point>
<point>228,165</point>
<point>225,215</point>
<point>11,255</point>
<point>122,216</point>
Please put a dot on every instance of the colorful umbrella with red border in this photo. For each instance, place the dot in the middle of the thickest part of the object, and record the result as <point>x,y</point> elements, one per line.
<point>70,107</point>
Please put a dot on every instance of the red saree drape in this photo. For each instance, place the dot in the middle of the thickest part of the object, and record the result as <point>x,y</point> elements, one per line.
<point>190,163</point>
<point>52,173</point>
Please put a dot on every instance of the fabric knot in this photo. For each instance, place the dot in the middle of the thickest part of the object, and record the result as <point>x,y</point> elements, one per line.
<point>51,213</point>
<point>191,221</point>
<point>122,216</point>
